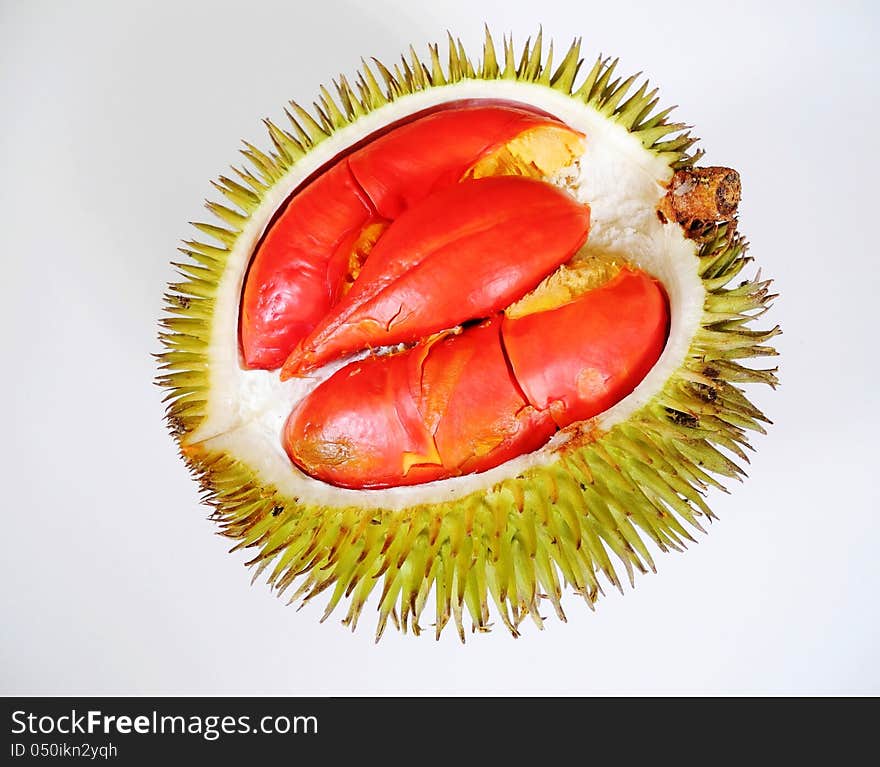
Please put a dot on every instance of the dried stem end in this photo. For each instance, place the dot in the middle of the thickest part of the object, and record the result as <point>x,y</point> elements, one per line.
<point>701,197</point>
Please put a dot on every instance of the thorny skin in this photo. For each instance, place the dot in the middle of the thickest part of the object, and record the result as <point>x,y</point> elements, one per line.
<point>495,547</point>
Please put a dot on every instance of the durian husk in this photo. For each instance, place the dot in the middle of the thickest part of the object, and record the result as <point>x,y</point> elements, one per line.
<point>575,524</point>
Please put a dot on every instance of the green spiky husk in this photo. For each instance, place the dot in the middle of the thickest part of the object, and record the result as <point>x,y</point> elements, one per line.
<point>521,541</point>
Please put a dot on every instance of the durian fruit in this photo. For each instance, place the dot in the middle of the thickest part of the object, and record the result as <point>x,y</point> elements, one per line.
<point>585,509</point>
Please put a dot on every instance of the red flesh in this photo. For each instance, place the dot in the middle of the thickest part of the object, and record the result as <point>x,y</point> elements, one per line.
<point>624,326</point>
<point>289,286</point>
<point>407,164</point>
<point>475,408</point>
<point>353,444</point>
<point>439,409</point>
<point>460,254</point>
<point>474,400</point>
<point>296,273</point>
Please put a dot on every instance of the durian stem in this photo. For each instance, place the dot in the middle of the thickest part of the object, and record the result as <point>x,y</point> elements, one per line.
<point>700,196</point>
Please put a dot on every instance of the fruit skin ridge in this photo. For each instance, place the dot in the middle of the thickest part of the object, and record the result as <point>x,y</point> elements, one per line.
<point>555,524</point>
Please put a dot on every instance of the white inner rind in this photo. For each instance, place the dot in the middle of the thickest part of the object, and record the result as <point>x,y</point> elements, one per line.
<point>623,184</point>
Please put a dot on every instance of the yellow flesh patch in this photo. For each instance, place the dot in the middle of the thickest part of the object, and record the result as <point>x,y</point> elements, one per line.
<point>365,242</point>
<point>567,283</point>
<point>537,153</point>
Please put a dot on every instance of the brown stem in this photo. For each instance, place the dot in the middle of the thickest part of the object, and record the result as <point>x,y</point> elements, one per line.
<point>698,197</point>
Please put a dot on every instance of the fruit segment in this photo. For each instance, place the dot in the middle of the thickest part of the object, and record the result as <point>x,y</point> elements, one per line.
<point>581,358</point>
<point>471,401</point>
<point>313,251</point>
<point>460,254</point>
<point>442,408</point>
<point>473,406</point>
<point>364,440</point>
<point>407,164</point>
<point>293,281</point>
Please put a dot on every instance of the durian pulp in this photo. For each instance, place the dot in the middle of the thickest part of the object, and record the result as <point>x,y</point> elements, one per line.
<point>620,180</point>
<point>537,152</point>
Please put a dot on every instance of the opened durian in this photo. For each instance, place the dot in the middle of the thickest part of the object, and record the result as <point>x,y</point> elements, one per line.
<point>466,335</point>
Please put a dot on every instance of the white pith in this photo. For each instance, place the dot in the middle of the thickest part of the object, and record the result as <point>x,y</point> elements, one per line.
<point>623,184</point>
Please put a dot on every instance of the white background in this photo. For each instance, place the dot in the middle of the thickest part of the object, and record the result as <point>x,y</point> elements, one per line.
<point>114,116</point>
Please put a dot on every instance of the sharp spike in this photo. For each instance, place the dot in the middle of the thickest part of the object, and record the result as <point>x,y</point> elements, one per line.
<point>313,131</point>
<point>563,79</point>
<point>489,69</point>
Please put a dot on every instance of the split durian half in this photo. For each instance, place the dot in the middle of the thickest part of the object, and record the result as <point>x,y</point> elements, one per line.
<point>582,511</point>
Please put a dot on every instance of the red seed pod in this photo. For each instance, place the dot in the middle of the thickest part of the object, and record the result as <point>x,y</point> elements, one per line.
<point>460,254</point>
<point>443,408</point>
<point>474,407</point>
<point>581,358</point>
<point>435,151</point>
<point>299,269</point>
<point>357,428</point>
<point>477,399</point>
<point>289,286</point>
